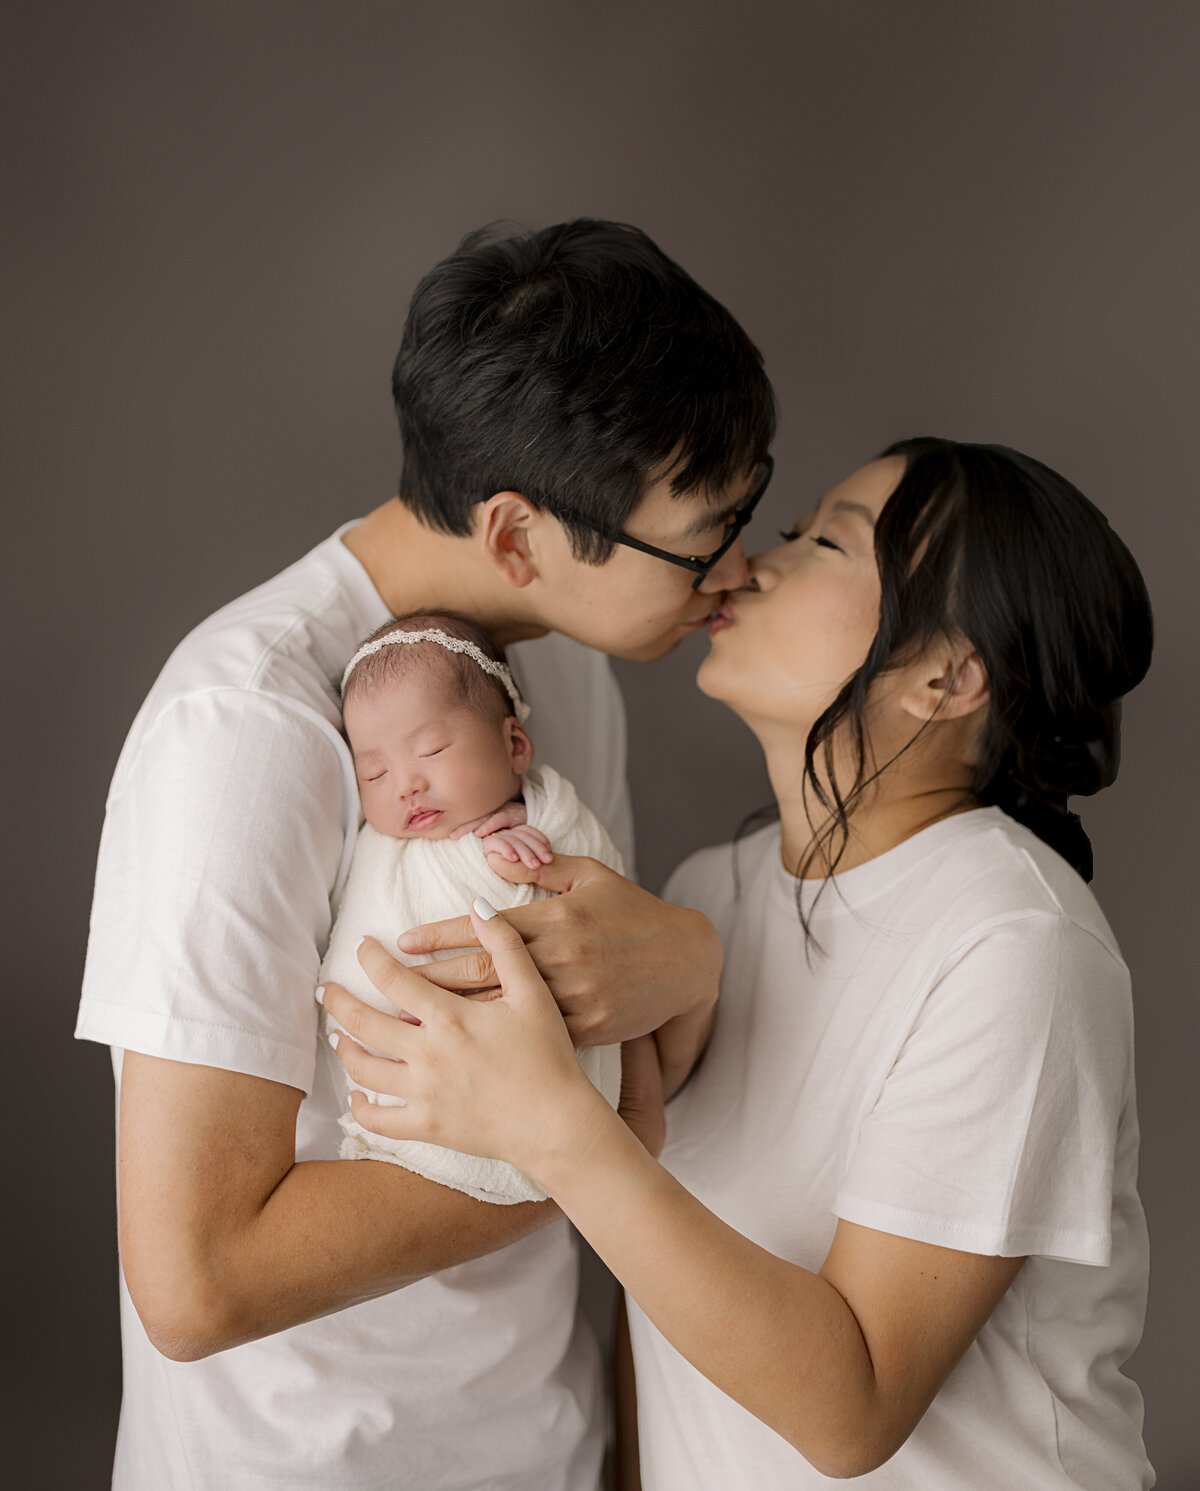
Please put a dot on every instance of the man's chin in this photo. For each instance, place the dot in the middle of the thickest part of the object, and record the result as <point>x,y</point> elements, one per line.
<point>659,647</point>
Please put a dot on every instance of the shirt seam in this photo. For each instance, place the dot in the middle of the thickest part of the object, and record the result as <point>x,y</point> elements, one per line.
<point>293,707</point>
<point>948,1225</point>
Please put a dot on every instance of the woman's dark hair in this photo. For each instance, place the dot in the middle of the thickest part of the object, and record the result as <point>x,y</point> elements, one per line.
<point>982,542</point>
<point>571,365</point>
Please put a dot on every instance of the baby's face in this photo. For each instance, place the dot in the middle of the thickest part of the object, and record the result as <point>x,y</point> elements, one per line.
<point>426,763</point>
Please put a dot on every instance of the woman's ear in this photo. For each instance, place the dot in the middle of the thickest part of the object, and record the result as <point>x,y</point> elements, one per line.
<point>520,747</point>
<point>948,684</point>
<point>505,520</point>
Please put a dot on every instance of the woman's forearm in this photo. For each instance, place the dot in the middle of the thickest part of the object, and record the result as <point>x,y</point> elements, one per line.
<point>775,1337</point>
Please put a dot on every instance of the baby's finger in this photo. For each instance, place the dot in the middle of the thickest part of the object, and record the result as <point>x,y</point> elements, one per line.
<point>537,841</point>
<point>492,823</point>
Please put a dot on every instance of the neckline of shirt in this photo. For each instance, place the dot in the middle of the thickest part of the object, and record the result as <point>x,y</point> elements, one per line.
<point>853,889</point>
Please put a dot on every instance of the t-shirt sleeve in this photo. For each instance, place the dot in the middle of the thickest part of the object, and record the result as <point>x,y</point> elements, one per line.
<point>996,1128</point>
<point>222,842</point>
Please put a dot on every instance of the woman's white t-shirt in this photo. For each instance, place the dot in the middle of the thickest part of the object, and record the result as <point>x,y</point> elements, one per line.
<point>955,1065</point>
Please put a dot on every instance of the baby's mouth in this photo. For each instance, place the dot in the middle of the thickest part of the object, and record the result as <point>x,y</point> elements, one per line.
<point>421,818</point>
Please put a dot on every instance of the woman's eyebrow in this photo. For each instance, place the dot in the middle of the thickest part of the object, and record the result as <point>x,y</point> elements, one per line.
<point>860,509</point>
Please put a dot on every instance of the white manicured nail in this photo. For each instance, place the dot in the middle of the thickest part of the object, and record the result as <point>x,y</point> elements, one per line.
<point>483,909</point>
<point>334,1038</point>
<point>319,994</point>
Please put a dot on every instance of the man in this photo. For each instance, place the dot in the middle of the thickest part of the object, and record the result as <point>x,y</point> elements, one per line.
<point>579,421</point>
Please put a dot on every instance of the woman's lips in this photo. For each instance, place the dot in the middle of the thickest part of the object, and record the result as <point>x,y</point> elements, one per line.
<point>423,818</point>
<point>721,618</point>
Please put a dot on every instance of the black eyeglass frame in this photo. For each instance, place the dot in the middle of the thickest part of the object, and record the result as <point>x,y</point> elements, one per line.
<point>738,519</point>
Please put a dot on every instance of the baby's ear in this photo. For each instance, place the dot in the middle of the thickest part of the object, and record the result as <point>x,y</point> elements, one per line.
<point>519,745</point>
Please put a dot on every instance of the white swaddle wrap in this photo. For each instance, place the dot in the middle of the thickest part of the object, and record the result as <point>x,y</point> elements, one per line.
<point>395,884</point>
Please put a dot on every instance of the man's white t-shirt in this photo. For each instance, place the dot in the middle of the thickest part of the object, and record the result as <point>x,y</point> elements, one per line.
<point>955,1066</point>
<point>227,838</point>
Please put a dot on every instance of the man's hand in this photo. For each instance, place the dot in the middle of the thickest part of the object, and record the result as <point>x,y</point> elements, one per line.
<point>618,961</point>
<point>641,1104</point>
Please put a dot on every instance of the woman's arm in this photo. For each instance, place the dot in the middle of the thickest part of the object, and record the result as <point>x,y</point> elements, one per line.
<point>842,1363</point>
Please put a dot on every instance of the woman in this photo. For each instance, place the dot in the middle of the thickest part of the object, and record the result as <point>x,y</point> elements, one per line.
<point>895,1231</point>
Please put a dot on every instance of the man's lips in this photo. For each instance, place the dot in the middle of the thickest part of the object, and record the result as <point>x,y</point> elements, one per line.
<point>703,621</point>
<point>423,818</point>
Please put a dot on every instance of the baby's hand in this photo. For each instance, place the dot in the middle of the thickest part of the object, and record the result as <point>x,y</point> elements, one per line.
<point>511,815</point>
<point>517,854</point>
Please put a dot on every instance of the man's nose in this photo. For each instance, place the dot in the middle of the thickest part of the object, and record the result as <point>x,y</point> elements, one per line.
<point>729,572</point>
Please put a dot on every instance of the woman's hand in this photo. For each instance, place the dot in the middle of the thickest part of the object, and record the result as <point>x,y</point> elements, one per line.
<point>494,1076</point>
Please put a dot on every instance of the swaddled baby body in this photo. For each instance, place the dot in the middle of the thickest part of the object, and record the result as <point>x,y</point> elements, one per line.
<point>454,809</point>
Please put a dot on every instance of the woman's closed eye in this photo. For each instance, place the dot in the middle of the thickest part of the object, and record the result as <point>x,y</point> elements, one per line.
<point>790,536</point>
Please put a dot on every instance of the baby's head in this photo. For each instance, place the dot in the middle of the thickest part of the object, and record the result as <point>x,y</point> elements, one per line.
<point>435,735</point>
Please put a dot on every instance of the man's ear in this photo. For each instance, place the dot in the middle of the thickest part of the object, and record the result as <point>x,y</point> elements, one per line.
<point>948,684</point>
<point>504,522</point>
<point>519,745</point>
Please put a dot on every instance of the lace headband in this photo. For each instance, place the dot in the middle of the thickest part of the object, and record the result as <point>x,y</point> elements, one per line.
<point>451,644</point>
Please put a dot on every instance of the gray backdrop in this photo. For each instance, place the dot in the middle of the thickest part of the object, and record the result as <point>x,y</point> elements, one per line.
<point>932,217</point>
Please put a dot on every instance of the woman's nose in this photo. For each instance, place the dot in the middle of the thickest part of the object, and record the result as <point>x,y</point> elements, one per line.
<point>760,574</point>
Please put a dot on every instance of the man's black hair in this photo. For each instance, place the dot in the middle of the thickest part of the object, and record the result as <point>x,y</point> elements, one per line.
<point>572,365</point>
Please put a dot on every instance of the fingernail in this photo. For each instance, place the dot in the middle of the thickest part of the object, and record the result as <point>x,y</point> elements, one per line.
<point>334,1038</point>
<point>319,994</point>
<point>360,942</point>
<point>483,909</point>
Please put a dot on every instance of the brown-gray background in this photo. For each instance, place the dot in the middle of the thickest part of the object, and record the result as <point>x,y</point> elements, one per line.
<point>933,217</point>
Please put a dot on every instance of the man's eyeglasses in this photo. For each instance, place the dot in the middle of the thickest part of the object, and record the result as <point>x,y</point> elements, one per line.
<point>734,524</point>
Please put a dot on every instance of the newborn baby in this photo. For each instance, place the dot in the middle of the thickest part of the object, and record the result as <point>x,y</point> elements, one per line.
<point>453,810</point>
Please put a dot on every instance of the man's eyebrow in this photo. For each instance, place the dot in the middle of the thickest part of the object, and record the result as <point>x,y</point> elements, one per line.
<point>717,517</point>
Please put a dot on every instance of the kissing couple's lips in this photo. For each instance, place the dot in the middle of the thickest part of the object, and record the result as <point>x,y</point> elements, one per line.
<point>703,621</point>
<point>721,618</point>
<point>423,818</point>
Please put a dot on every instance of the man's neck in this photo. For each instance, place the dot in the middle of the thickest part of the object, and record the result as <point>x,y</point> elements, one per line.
<point>415,568</point>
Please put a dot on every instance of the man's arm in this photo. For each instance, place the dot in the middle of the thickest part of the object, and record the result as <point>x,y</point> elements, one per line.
<point>619,961</point>
<point>225,1238</point>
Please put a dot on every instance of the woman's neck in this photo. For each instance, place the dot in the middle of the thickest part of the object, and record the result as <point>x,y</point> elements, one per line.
<point>909,796</point>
